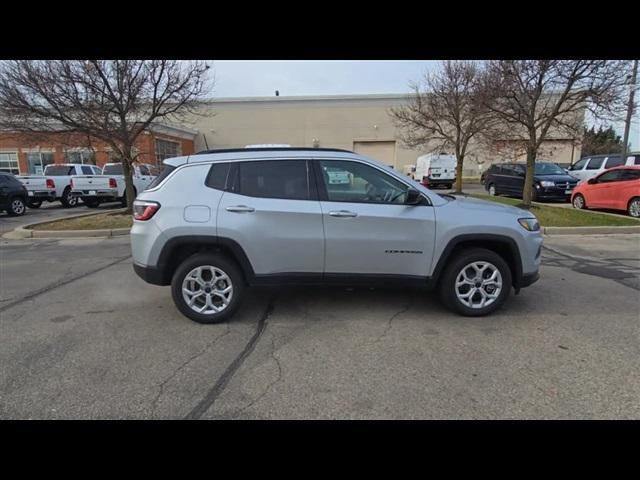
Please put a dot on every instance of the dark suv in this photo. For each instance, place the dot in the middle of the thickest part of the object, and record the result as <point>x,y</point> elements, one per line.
<point>550,182</point>
<point>13,195</point>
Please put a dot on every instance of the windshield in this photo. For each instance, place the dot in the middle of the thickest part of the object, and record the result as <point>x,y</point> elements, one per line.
<point>58,170</point>
<point>549,169</point>
<point>112,170</point>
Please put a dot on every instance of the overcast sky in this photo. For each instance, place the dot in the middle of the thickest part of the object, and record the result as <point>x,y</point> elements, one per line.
<point>249,78</point>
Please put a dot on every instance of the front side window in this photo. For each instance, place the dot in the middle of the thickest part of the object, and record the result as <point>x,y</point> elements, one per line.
<point>548,169</point>
<point>37,161</point>
<point>9,162</point>
<point>595,163</point>
<point>579,165</point>
<point>286,179</point>
<point>346,181</point>
<point>610,176</point>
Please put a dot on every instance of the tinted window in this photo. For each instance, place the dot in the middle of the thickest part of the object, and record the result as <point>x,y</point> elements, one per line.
<point>287,179</point>
<point>164,174</point>
<point>610,176</point>
<point>96,171</point>
<point>630,175</point>
<point>356,182</point>
<point>87,170</point>
<point>113,169</point>
<point>595,163</point>
<point>144,170</point>
<point>217,176</point>
<point>637,160</point>
<point>579,164</point>
<point>614,162</point>
<point>59,170</point>
<point>548,169</point>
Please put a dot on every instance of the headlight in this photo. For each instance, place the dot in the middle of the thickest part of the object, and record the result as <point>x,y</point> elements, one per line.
<point>530,224</point>
<point>547,183</point>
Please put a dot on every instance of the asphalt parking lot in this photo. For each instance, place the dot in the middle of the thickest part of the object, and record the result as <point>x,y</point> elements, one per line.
<point>84,338</point>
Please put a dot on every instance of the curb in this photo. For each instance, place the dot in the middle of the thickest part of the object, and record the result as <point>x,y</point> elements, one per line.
<point>26,232</point>
<point>589,230</point>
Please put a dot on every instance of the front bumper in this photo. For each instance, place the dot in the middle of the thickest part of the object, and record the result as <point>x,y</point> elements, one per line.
<point>554,193</point>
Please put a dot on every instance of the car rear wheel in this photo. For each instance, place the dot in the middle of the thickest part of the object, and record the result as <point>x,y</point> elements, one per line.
<point>476,282</point>
<point>207,287</point>
<point>578,201</point>
<point>634,207</point>
<point>67,200</point>
<point>17,207</point>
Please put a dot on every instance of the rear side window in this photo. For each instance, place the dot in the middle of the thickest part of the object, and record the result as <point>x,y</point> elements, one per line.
<point>614,162</point>
<point>595,163</point>
<point>286,179</point>
<point>113,170</point>
<point>164,174</point>
<point>217,177</point>
<point>630,175</point>
<point>87,170</point>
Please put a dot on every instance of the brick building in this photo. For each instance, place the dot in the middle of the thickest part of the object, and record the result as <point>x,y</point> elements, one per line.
<point>27,155</point>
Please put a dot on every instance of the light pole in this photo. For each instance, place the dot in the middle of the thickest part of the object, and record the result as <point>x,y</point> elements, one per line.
<point>630,105</point>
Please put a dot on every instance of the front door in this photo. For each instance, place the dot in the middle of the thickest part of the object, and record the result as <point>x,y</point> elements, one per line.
<point>600,193</point>
<point>577,169</point>
<point>369,230</point>
<point>270,209</point>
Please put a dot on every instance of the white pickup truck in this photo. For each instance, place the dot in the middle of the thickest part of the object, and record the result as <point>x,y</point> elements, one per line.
<point>55,184</point>
<point>110,185</point>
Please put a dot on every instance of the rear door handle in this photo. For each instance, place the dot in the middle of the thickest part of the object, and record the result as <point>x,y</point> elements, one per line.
<point>240,209</point>
<point>342,213</point>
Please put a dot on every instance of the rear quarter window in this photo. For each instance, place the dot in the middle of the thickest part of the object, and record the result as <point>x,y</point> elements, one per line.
<point>164,174</point>
<point>217,177</point>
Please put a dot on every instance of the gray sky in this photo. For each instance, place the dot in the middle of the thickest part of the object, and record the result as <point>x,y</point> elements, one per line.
<point>248,78</point>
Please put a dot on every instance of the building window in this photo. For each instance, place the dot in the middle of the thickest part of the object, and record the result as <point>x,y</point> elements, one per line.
<point>80,156</point>
<point>36,161</point>
<point>166,149</point>
<point>9,162</point>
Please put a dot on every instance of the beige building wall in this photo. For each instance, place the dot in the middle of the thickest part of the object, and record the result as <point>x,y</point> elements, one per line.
<point>361,123</point>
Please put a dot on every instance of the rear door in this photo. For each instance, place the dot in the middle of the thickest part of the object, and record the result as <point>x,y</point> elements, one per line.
<point>368,228</point>
<point>271,209</point>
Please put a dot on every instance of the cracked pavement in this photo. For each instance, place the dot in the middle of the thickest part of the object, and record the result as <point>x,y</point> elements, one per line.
<point>84,337</point>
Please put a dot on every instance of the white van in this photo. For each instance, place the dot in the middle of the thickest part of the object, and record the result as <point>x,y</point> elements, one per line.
<point>436,169</point>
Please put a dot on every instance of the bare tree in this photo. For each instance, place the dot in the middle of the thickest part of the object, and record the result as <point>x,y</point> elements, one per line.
<point>444,112</point>
<point>109,100</point>
<point>533,99</point>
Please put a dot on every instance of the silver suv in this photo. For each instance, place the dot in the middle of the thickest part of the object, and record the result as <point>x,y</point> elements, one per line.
<point>216,222</point>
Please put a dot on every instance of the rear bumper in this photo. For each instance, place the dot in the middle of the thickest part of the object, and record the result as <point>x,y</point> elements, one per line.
<point>150,275</point>
<point>41,195</point>
<point>529,279</point>
<point>98,193</point>
<point>440,181</point>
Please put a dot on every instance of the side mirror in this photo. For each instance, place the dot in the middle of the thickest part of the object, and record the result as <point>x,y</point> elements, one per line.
<point>413,197</point>
<point>592,181</point>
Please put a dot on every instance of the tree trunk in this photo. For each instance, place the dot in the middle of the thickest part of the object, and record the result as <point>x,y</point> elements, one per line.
<point>459,173</point>
<point>127,168</point>
<point>527,193</point>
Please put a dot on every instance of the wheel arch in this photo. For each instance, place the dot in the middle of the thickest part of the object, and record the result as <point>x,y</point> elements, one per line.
<point>503,245</point>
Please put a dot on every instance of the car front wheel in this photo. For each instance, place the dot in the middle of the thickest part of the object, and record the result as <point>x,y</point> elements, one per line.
<point>476,282</point>
<point>207,287</point>
<point>634,207</point>
<point>492,190</point>
<point>578,202</point>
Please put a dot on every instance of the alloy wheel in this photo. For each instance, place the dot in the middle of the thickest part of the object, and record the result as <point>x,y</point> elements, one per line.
<point>207,290</point>
<point>478,284</point>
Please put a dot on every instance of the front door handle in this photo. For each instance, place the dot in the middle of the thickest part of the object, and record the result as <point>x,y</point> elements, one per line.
<point>240,209</point>
<point>343,213</point>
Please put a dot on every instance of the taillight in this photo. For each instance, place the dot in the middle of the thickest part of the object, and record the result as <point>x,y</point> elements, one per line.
<point>50,183</point>
<point>112,183</point>
<point>143,210</point>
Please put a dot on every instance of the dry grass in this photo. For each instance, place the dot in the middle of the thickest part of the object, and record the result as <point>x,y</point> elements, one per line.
<point>92,222</point>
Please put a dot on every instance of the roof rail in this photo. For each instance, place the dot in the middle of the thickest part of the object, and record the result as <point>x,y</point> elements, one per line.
<point>271,149</point>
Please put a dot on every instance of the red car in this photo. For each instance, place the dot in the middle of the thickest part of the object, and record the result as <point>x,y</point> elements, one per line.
<point>617,189</point>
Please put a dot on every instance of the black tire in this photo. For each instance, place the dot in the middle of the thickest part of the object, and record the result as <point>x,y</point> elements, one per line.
<point>92,203</point>
<point>17,207</point>
<point>579,201</point>
<point>220,262</point>
<point>633,209</point>
<point>454,268</point>
<point>67,200</point>
<point>34,203</point>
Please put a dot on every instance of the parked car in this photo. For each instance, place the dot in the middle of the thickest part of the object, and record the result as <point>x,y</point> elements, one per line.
<point>13,195</point>
<point>39,189</point>
<point>215,222</point>
<point>59,175</point>
<point>550,182</point>
<point>589,167</point>
<point>617,189</point>
<point>109,185</point>
<point>435,170</point>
